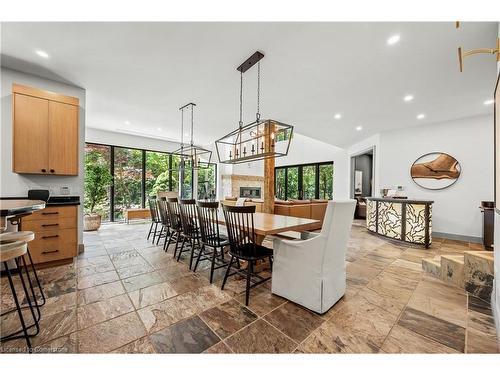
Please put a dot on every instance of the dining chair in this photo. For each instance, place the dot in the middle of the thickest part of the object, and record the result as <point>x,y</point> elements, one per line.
<point>243,246</point>
<point>312,272</point>
<point>210,237</point>
<point>165,220</point>
<point>190,230</point>
<point>174,214</point>
<point>155,217</point>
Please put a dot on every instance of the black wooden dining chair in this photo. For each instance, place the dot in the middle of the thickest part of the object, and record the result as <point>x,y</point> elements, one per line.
<point>190,230</point>
<point>155,217</point>
<point>174,214</point>
<point>242,244</point>
<point>210,237</point>
<point>165,220</point>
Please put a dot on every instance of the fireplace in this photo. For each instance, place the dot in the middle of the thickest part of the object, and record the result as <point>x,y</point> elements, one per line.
<point>250,192</point>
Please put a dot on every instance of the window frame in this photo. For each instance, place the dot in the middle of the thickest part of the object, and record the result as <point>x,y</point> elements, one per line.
<point>300,177</point>
<point>143,174</point>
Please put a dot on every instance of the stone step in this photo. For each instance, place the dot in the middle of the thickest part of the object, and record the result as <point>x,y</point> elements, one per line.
<point>432,266</point>
<point>452,269</point>
<point>478,273</point>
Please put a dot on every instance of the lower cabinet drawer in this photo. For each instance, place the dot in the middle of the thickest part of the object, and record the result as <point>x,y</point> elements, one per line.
<point>54,245</point>
<point>52,212</point>
<point>45,225</point>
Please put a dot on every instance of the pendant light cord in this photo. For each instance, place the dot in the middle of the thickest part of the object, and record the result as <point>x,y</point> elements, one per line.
<point>182,129</point>
<point>258,92</point>
<point>241,99</point>
<point>192,121</point>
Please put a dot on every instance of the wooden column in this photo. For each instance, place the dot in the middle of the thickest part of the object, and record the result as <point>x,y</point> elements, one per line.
<point>268,206</point>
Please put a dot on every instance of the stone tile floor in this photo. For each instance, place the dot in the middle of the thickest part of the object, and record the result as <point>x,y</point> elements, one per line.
<point>125,295</point>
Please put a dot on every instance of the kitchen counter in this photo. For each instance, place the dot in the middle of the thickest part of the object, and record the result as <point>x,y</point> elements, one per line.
<point>56,200</point>
<point>408,220</point>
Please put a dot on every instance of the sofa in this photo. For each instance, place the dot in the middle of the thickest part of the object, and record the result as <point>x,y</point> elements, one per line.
<point>309,209</point>
<point>231,201</point>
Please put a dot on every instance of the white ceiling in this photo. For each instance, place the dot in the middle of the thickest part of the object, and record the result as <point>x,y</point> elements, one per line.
<point>143,72</point>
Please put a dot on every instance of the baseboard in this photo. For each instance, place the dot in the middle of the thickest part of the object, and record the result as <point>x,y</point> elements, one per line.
<point>459,237</point>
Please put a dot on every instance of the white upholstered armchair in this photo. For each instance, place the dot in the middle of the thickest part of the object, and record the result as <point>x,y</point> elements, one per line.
<point>311,272</point>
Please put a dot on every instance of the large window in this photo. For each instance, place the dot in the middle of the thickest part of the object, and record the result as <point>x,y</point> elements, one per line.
<point>307,181</point>
<point>97,156</point>
<point>207,182</point>
<point>138,174</point>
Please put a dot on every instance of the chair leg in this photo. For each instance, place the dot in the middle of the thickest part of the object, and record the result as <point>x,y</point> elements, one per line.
<point>202,250</point>
<point>167,241</point>
<point>18,306</point>
<point>36,278</point>
<point>150,230</point>
<point>227,272</point>
<point>249,273</point>
<point>213,264</point>
<point>32,290</point>
<point>154,234</point>
<point>177,238</point>
<point>192,253</point>
<point>182,247</point>
<point>159,236</point>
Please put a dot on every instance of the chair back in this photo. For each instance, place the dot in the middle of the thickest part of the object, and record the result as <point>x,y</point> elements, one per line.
<point>189,220</point>
<point>240,229</point>
<point>162,210</point>
<point>208,221</point>
<point>153,209</point>
<point>174,213</point>
<point>336,229</point>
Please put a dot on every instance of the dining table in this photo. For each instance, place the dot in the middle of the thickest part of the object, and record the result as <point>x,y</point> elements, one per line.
<point>13,208</point>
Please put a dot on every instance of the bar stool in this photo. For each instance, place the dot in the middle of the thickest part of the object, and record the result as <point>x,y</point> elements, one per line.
<point>16,251</point>
<point>26,236</point>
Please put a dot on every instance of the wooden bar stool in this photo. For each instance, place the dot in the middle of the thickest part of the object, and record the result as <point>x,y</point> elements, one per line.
<point>26,236</point>
<point>15,251</point>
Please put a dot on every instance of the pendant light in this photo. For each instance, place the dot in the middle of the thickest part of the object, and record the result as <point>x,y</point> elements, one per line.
<point>191,156</point>
<point>258,140</point>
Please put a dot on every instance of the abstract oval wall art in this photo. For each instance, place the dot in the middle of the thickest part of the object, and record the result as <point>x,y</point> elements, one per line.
<point>435,171</point>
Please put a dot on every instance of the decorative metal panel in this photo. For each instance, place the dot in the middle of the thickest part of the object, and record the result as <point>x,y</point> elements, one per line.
<point>389,219</point>
<point>371,215</point>
<point>415,223</point>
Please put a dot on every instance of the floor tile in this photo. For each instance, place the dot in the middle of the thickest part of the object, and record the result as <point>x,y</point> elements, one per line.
<point>439,330</point>
<point>100,293</point>
<point>188,336</point>
<point>141,346</point>
<point>295,321</point>
<point>152,294</point>
<point>228,318</point>
<point>260,337</point>
<point>402,340</point>
<point>261,301</point>
<point>97,312</point>
<point>97,279</point>
<point>111,334</point>
<point>481,343</point>
<point>219,348</point>
<point>143,281</point>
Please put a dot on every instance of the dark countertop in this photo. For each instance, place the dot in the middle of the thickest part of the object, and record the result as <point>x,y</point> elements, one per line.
<point>12,207</point>
<point>56,200</point>
<point>396,200</point>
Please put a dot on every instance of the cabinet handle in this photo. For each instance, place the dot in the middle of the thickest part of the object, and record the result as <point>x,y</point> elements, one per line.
<point>51,213</point>
<point>54,236</point>
<point>50,251</point>
<point>52,171</point>
<point>49,225</point>
<point>44,170</point>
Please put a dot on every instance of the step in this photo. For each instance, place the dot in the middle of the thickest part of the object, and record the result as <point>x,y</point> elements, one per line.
<point>452,269</point>
<point>432,266</point>
<point>478,273</point>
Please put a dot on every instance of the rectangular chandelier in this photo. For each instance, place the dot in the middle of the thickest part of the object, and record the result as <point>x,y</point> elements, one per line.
<point>256,141</point>
<point>193,156</point>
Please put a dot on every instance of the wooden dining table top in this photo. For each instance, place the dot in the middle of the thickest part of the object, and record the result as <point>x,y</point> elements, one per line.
<point>12,207</point>
<point>265,224</point>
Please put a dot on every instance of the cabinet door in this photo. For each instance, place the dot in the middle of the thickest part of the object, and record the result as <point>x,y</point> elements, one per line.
<point>63,139</point>
<point>30,151</point>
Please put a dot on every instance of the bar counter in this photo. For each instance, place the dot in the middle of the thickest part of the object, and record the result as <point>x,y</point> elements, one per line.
<point>407,220</point>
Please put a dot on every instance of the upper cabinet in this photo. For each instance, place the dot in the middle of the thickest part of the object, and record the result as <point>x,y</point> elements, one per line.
<point>45,132</point>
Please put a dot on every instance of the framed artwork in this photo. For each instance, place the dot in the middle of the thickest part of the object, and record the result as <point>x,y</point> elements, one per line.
<point>497,145</point>
<point>435,171</point>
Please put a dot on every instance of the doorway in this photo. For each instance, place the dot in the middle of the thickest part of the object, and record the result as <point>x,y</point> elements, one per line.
<point>362,180</point>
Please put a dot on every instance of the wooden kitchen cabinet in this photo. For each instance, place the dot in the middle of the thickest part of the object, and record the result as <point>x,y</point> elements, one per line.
<point>45,132</point>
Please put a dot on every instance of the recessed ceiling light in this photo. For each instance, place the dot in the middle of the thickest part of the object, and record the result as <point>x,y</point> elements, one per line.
<point>488,102</point>
<point>421,116</point>
<point>337,116</point>
<point>41,53</point>
<point>127,122</point>
<point>393,39</point>
<point>359,128</point>
<point>408,98</point>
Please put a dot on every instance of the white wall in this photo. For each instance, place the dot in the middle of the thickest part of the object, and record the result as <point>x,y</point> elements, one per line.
<point>17,185</point>
<point>455,209</point>
<point>496,295</point>
<point>305,150</point>
<point>94,135</point>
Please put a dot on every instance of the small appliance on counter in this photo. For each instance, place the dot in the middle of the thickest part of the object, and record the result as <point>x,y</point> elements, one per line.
<point>38,195</point>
